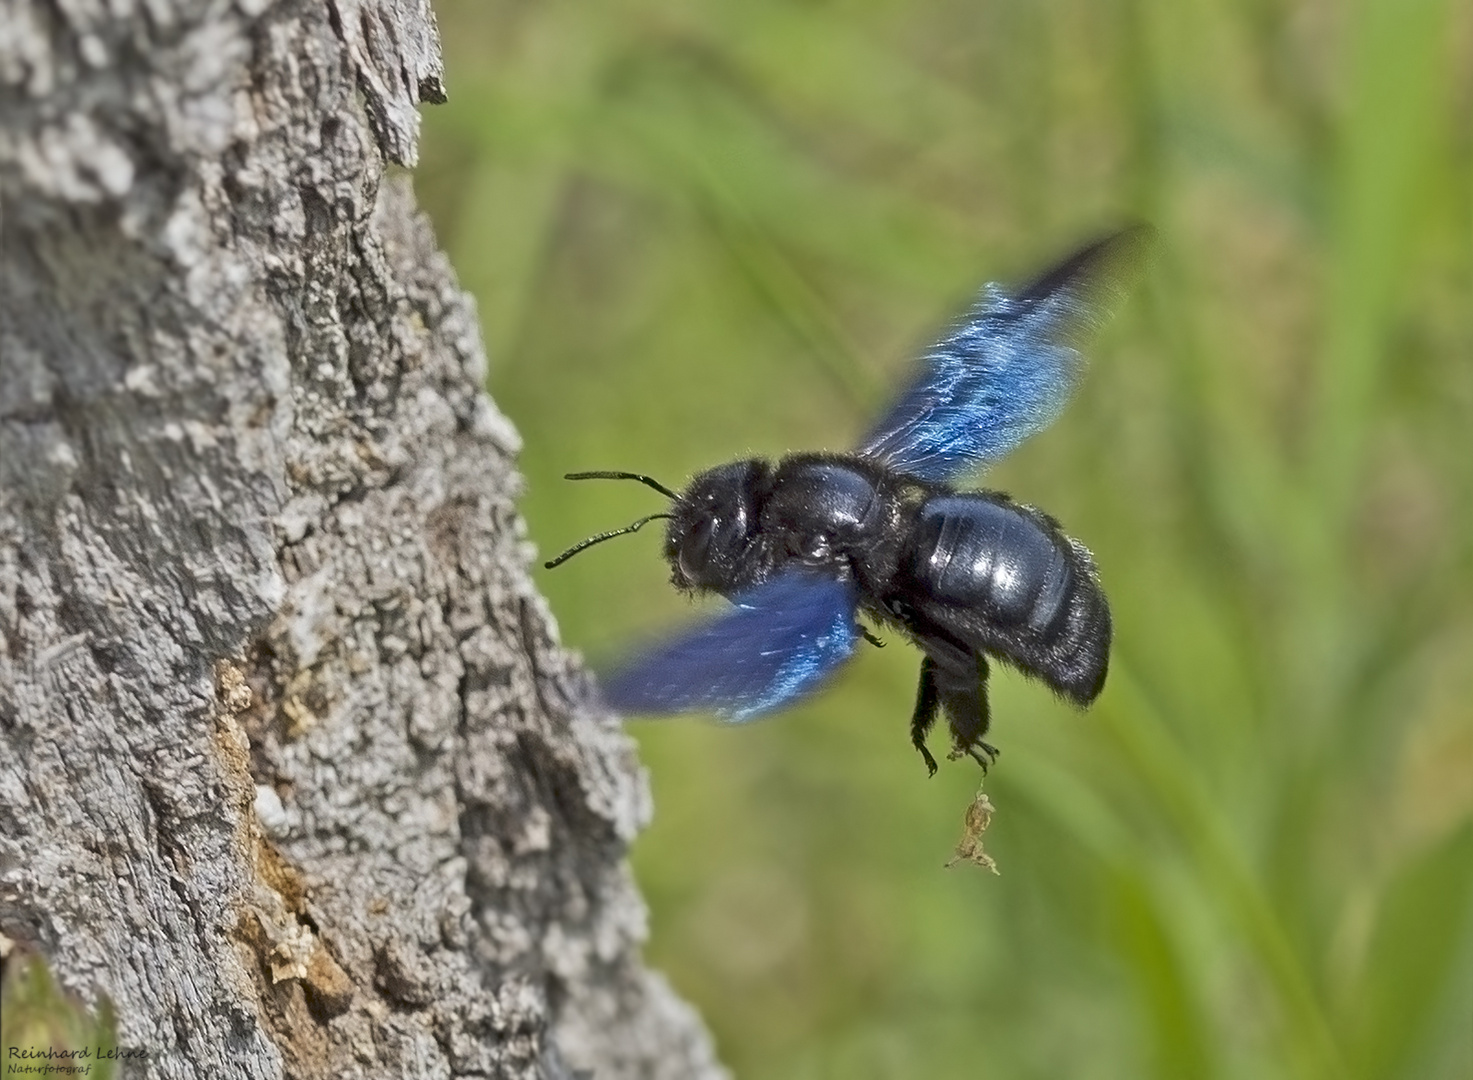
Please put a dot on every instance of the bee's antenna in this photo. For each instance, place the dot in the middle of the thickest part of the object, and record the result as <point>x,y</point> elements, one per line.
<point>645,480</point>
<point>601,537</point>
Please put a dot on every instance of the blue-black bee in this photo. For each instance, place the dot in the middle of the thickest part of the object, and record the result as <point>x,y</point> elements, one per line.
<point>802,546</point>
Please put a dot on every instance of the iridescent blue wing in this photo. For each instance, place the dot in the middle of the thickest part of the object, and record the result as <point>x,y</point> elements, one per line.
<point>1007,368</point>
<point>780,640</point>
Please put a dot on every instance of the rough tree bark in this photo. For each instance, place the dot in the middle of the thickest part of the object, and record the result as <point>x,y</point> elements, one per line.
<point>292,767</point>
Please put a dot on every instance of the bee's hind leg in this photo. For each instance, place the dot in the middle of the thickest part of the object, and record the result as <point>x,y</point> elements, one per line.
<point>928,700</point>
<point>969,716</point>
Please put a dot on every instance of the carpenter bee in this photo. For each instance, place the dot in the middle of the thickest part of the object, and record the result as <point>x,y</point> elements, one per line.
<point>801,546</point>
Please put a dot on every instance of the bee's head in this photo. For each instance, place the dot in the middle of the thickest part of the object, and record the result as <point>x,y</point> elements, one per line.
<point>713,525</point>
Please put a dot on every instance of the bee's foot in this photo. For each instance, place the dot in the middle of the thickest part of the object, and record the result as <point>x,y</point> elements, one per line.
<point>930,761</point>
<point>984,754</point>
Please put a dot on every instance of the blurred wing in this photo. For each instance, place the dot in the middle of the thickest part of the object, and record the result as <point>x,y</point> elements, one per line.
<point>777,644</point>
<point>1009,366</point>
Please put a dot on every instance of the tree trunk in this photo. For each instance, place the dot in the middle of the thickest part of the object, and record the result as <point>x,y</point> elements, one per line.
<point>292,767</point>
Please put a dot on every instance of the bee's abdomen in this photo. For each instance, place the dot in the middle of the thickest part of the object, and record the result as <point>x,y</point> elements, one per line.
<point>977,553</point>
<point>1003,578</point>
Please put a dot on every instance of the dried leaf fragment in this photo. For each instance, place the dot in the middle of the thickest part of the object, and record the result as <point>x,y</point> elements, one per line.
<point>974,824</point>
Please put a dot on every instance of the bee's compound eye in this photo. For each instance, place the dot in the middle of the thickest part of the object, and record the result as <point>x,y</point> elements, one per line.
<point>695,550</point>
<point>715,525</point>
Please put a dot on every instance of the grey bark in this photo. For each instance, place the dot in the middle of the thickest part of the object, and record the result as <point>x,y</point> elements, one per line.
<point>292,767</point>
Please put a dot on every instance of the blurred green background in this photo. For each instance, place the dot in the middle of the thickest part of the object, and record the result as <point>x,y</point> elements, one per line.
<point>698,231</point>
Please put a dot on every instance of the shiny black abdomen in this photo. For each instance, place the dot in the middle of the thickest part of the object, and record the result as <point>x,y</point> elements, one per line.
<point>990,574</point>
<point>975,552</point>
